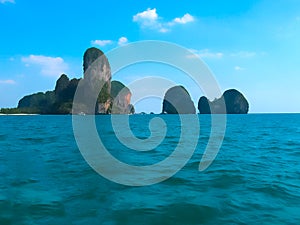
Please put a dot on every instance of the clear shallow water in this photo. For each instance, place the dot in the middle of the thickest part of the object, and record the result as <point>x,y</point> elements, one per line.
<point>254,179</point>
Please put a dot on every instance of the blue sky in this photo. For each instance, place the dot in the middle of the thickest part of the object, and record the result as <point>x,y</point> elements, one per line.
<point>252,46</point>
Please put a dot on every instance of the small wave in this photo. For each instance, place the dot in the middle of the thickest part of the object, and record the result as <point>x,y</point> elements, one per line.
<point>292,143</point>
<point>18,183</point>
<point>274,191</point>
<point>33,140</point>
<point>223,181</point>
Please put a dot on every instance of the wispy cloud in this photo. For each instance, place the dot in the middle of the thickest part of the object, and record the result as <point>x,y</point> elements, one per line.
<point>7,82</point>
<point>50,66</point>
<point>7,1</point>
<point>243,54</point>
<point>205,53</point>
<point>238,68</point>
<point>149,19</point>
<point>122,41</point>
<point>101,42</point>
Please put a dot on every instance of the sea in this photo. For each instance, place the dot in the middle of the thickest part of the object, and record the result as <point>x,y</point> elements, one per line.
<point>254,179</point>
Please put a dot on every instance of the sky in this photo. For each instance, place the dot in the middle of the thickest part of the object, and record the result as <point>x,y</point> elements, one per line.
<point>249,45</point>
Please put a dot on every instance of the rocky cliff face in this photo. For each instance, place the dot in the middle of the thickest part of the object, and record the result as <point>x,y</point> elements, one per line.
<point>64,93</point>
<point>178,101</point>
<point>235,103</point>
<point>203,105</point>
<point>95,61</point>
<point>121,97</point>
<point>61,84</point>
<point>98,74</point>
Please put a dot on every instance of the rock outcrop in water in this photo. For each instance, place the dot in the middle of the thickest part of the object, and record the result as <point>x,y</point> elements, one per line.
<point>178,101</point>
<point>235,103</point>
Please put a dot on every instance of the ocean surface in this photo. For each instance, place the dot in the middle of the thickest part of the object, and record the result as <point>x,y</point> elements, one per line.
<point>255,178</point>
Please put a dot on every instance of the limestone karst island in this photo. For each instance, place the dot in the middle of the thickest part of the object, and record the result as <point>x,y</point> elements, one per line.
<point>115,97</point>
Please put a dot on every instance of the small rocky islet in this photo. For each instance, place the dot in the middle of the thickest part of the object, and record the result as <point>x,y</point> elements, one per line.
<point>231,102</point>
<point>114,97</point>
<point>177,100</point>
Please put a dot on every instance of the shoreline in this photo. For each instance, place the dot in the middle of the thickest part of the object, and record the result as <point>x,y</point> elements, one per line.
<point>18,114</point>
<point>33,114</point>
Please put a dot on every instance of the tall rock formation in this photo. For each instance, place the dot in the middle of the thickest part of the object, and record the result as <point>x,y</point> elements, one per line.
<point>98,74</point>
<point>178,101</point>
<point>64,94</point>
<point>61,84</point>
<point>203,104</point>
<point>235,103</point>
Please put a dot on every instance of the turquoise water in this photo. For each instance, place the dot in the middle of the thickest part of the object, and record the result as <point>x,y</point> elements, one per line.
<point>254,179</point>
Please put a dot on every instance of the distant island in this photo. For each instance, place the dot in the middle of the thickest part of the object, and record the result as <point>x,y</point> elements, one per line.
<point>235,103</point>
<point>115,97</point>
<point>177,100</point>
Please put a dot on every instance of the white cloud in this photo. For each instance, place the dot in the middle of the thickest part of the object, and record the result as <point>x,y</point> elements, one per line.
<point>185,19</point>
<point>7,1</point>
<point>50,66</point>
<point>205,53</point>
<point>243,54</point>
<point>149,19</point>
<point>238,68</point>
<point>101,42</point>
<point>149,16</point>
<point>122,41</point>
<point>7,82</point>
